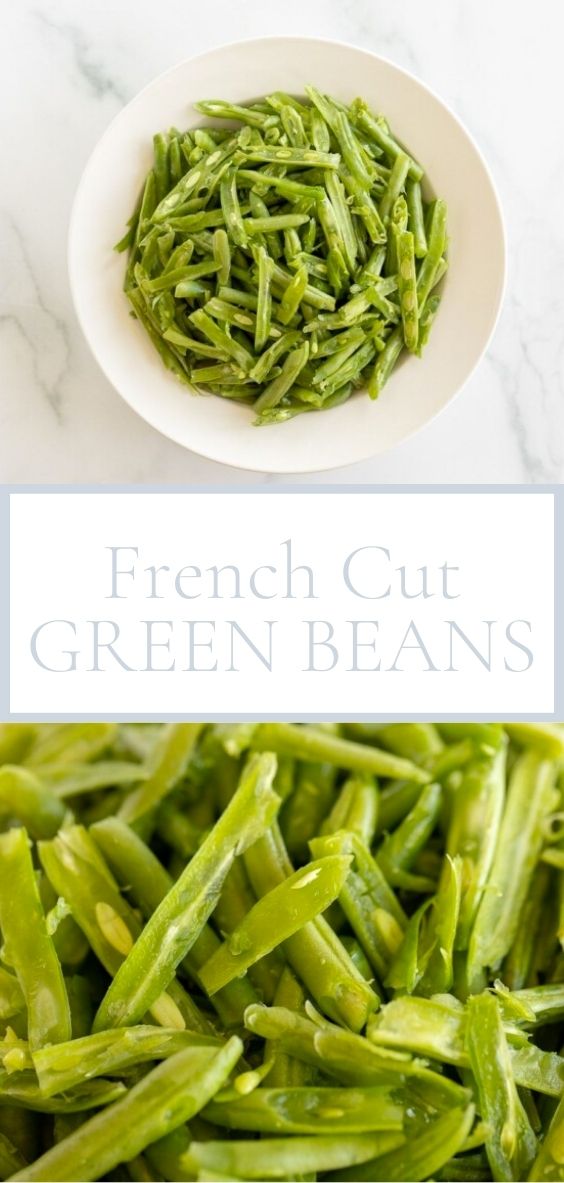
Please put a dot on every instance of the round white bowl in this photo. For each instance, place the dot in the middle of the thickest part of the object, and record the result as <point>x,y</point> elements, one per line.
<point>418,390</point>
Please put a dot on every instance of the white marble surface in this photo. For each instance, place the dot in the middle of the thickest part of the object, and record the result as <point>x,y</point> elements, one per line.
<point>67,66</point>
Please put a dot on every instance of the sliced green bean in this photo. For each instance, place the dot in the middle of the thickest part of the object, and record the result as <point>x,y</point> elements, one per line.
<point>307,743</point>
<point>28,948</point>
<point>279,386</point>
<point>278,915</point>
<point>164,1099</point>
<point>510,1141</point>
<point>168,762</point>
<point>176,923</point>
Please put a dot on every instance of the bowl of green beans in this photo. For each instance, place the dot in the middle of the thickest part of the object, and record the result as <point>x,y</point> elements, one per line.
<point>279,951</point>
<point>307,241</point>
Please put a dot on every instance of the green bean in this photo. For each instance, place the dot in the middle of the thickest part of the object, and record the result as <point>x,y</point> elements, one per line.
<point>177,830</point>
<point>327,370</point>
<point>25,797</point>
<point>278,915</point>
<point>283,185</point>
<point>540,1004</point>
<point>336,194</point>
<point>309,1111</point>
<point>308,804</point>
<point>76,868</point>
<point>421,1156</point>
<point>415,741</point>
<point>164,1099</point>
<point>307,743</point>
<point>292,245</point>
<point>16,739</point>
<point>350,1058</point>
<point>70,742</point>
<point>426,322</point>
<point>176,923</point>
<point>304,157</point>
<point>398,223</point>
<point>441,929</point>
<point>293,126</point>
<point>63,1066</point>
<point>235,901</point>
<point>231,208</point>
<point>384,1020</point>
<point>197,177</point>
<point>416,221</point>
<point>282,1158</point>
<point>385,362</point>
<point>510,1141</point>
<point>530,793</point>
<point>473,832</point>
<point>264,299</point>
<point>376,132</point>
<point>227,344</point>
<point>355,810</point>
<point>21,1088</point>
<point>235,296</point>
<point>272,222</point>
<point>168,762</point>
<point>429,1027</point>
<point>407,289</point>
<point>138,869</point>
<point>285,1071</point>
<point>312,295</point>
<point>548,1161</point>
<point>197,220</point>
<point>400,848</point>
<point>70,944</point>
<point>292,297</point>
<point>222,255</point>
<point>28,948</point>
<point>547,738</point>
<point>160,166</point>
<point>395,186</point>
<point>220,110</point>
<point>365,207</point>
<point>436,1028</point>
<point>279,386</point>
<point>519,965</point>
<point>320,132</point>
<point>12,1000</point>
<point>369,904</point>
<point>437,242</point>
<point>175,164</point>
<point>315,953</point>
<point>87,778</point>
<point>348,313</point>
<point>80,1002</point>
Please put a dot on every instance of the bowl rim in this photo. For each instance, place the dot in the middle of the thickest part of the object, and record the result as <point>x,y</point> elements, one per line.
<point>73,276</point>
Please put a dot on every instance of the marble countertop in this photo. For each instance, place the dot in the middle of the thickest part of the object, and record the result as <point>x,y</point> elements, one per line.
<point>67,69</point>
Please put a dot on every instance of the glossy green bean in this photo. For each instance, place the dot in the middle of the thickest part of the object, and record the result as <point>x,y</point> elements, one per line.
<point>28,947</point>
<point>174,926</point>
<point>161,1101</point>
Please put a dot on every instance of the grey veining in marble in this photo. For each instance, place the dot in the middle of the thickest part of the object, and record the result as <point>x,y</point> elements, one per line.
<point>67,66</point>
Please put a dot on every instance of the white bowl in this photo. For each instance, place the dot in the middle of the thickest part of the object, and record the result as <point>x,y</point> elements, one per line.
<point>221,430</point>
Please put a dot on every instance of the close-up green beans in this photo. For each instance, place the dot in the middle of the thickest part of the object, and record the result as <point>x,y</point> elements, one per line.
<point>280,951</point>
<point>286,254</point>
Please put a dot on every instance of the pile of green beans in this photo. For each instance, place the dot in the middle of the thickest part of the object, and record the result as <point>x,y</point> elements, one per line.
<point>280,951</point>
<point>289,261</point>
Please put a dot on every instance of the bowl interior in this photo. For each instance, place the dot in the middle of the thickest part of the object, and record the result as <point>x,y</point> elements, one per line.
<point>417,390</point>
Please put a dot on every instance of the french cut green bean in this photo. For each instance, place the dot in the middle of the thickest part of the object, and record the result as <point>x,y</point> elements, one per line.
<point>375,909</point>
<point>303,205</point>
